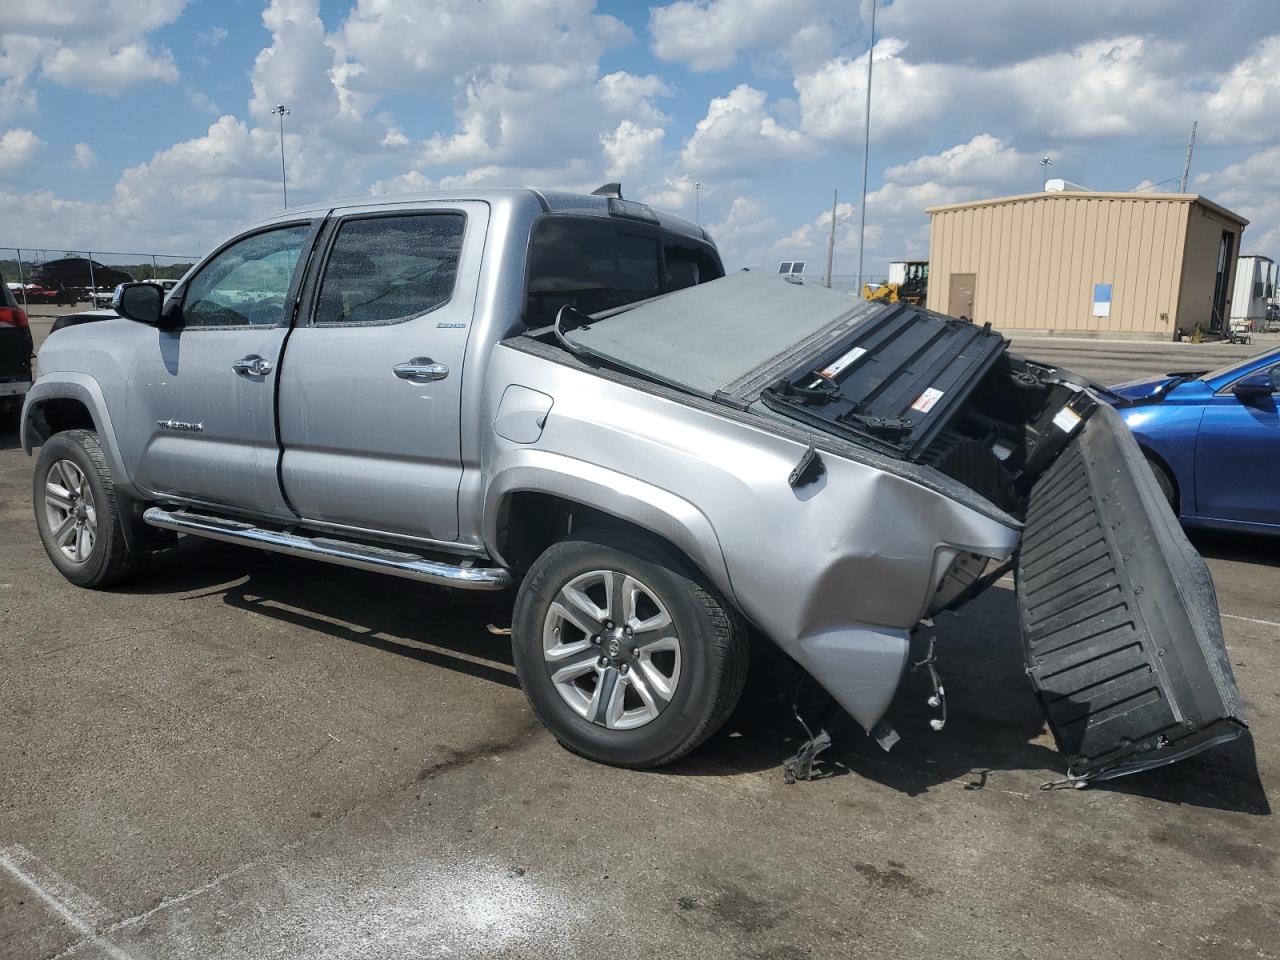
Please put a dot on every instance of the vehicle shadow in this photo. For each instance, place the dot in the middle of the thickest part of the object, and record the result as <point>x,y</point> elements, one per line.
<point>446,628</point>
<point>994,721</point>
<point>1233,545</point>
<point>994,724</point>
<point>9,439</point>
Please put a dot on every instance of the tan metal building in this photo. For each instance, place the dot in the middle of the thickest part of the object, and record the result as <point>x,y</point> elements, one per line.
<point>1089,264</point>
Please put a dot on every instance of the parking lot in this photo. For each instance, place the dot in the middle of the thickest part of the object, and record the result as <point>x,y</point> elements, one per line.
<point>247,755</point>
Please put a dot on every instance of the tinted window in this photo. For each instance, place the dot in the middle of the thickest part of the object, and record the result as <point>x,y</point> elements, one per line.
<point>246,284</point>
<point>688,266</point>
<point>385,269</point>
<point>592,264</point>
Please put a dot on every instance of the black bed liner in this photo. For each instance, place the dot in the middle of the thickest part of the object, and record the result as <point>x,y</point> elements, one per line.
<point>893,382</point>
<point>1119,617</point>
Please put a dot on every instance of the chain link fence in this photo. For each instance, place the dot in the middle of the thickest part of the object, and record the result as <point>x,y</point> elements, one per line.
<point>56,275</point>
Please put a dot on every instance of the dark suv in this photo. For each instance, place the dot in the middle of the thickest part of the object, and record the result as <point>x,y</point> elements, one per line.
<point>15,355</point>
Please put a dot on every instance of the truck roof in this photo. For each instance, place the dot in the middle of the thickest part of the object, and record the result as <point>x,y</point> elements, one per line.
<point>551,201</point>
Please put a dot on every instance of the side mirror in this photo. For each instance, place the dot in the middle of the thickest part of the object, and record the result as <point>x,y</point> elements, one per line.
<point>1261,384</point>
<point>139,302</point>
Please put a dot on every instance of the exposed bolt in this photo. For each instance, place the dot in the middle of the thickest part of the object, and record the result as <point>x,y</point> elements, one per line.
<point>596,639</point>
<point>622,667</point>
<point>603,662</point>
<point>627,630</point>
<point>608,624</point>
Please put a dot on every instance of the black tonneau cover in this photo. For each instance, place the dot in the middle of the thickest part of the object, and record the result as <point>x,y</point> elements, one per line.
<point>886,376</point>
<point>716,339</point>
<point>893,381</point>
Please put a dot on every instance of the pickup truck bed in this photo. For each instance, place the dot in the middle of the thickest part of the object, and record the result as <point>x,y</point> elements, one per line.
<point>1119,617</point>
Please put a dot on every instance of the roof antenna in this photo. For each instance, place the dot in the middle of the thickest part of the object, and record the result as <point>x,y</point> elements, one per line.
<point>608,190</point>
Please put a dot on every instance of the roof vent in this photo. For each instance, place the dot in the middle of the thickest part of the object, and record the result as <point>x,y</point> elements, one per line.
<point>1059,185</point>
<point>608,190</point>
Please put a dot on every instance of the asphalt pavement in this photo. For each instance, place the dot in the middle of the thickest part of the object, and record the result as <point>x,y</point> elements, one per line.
<point>244,755</point>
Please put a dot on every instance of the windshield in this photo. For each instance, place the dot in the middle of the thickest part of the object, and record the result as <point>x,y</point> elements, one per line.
<point>1232,369</point>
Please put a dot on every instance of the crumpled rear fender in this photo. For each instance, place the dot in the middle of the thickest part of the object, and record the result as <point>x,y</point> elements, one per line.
<point>627,498</point>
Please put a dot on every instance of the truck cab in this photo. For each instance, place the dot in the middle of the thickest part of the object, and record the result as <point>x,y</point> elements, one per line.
<point>387,301</point>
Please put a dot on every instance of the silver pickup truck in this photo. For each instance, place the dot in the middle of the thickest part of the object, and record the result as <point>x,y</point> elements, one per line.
<point>563,393</point>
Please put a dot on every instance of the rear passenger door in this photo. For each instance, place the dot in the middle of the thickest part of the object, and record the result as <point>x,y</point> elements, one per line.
<point>370,386</point>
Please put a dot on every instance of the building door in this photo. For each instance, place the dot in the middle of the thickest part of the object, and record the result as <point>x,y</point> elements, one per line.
<point>1220,280</point>
<point>960,295</point>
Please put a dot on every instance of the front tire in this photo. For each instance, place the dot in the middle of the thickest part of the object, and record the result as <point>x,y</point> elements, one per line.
<point>78,513</point>
<point>626,654</point>
<point>1165,483</point>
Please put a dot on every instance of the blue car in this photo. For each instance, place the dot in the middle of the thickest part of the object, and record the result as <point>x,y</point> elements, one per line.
<point>1213,441</point>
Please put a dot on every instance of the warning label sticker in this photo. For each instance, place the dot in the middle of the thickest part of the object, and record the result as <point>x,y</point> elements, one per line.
<point>926,401</point>
<point>832,369</point>
<point>1066,420</point>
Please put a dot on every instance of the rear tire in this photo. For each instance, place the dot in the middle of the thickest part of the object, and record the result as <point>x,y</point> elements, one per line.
<point>626,654</point>
<point>78,513</point>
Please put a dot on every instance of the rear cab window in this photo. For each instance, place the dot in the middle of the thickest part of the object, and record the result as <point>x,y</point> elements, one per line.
<point>598,263</point>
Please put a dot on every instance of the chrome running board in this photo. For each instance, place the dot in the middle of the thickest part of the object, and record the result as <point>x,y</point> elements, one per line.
<point>461,575</point>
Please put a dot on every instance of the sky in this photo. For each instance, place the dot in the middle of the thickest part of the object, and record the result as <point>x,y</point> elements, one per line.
<point>146,125</point>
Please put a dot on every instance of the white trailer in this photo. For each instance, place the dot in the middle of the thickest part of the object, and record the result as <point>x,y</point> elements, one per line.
<point>1254,288</point>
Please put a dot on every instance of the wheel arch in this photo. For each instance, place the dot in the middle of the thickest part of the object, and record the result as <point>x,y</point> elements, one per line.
<point>67,402</point>
<point>530,505</point>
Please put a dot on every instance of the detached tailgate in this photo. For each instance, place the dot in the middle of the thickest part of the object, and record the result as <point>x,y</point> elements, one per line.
<point>1119,618</point>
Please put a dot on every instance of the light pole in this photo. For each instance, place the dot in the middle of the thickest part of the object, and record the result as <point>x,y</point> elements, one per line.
<point>1045,164</point>
<point>697,202</point>
<point>282,110</point>
<point>866,149</point>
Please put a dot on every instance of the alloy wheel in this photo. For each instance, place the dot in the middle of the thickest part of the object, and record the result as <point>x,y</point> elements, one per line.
<point>70,511</point>
<point>611,649</point>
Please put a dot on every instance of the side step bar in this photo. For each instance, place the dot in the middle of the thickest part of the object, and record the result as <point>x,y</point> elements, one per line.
<point>342,552</point>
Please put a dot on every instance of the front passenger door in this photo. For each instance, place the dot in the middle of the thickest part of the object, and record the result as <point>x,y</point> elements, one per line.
<point>1237,454</point>
<point>201,398</point>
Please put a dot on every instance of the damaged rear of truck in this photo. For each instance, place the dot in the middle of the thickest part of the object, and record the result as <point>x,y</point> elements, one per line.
<point>844,471</point>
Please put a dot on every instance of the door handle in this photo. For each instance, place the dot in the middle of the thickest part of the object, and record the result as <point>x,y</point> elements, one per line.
<point>420,370</point>
<point>252,366</point>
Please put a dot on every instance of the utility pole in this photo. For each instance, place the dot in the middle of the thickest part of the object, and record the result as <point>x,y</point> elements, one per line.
<point>1045,163</point>
<point>1186,167</point>
<point>697,202</point>
<point>831,241</point>
<point>282,110</point>
<point>866,148</point>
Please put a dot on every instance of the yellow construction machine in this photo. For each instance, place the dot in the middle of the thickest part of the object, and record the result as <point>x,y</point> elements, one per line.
<point>908,282</point>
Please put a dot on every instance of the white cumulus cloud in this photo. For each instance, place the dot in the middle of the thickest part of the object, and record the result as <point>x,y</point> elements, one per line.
<point>739,133</point>
<point>18,147</point>
<point>82,156</point>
